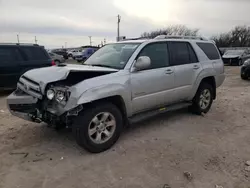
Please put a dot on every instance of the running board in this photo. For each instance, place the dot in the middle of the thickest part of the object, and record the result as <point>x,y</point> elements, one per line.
<point>148,114</point>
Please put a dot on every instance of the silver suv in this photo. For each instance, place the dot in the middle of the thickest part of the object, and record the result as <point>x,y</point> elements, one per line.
<point>121,83</point>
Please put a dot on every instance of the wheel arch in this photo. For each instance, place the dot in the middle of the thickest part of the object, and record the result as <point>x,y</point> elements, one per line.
<point>211,81</point>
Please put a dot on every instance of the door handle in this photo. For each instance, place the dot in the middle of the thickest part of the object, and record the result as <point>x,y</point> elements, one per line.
<point>169,71</point>
<point>196,67</point>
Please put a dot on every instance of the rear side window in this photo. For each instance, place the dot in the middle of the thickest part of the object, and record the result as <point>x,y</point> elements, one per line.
<point>210,50</point>
<point>9,54</point>
<point>34,53</point>
<point>182,53</point>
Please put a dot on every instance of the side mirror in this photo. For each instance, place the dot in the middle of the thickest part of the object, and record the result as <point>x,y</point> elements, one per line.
<point>143,62</point>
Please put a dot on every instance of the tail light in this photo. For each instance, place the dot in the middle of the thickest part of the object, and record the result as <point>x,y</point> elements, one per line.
<point>53,63</point>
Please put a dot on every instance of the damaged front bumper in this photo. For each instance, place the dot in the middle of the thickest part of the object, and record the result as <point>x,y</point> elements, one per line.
<point>32,109</point>
<point>22,106</point>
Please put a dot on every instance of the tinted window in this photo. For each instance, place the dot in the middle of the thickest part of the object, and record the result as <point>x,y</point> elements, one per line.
<point>179,53</point>
<point>210,50</point>
<point>9,54</point>
<point>34,53</point>
<point>158,53</point>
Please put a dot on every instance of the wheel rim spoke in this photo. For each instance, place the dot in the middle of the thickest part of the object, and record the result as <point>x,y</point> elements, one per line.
<point>105,117</point>
<point>92,131</point>
<point>98,137</point>
<point>107,133</point>
<point>95,120</point>
<point>110,123</point>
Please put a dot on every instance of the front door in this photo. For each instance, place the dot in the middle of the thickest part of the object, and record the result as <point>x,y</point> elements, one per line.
<point>153,87</point>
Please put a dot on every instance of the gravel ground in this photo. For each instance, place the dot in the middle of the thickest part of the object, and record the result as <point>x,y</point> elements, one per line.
<point>211,149</point>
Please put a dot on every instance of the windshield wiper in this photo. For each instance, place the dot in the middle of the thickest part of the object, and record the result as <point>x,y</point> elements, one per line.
<point>101,65</point>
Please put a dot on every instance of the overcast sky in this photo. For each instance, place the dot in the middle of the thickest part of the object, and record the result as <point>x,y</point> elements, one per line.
<point>55,22</point>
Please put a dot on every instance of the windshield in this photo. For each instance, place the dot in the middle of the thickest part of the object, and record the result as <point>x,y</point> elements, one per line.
<point>234,52</point>
<point>113,55</point>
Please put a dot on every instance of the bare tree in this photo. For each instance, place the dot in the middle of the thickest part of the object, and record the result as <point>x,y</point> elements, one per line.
<point>237,37</point>
<point>172,30</point>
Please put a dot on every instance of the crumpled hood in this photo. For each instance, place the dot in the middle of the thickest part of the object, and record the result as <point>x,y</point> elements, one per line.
<point>230,56</point>
<point>47,75</point>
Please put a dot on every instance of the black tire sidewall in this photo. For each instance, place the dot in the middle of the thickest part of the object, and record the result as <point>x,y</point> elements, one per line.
<point>196,106</point>
<point>243,77</point>
<point>81,123</point>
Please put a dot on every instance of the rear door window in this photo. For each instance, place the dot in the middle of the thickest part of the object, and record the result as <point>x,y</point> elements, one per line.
<point>9,54</point>
<point>210,50</point>
<point>182,53</point>
<point>34,53</point>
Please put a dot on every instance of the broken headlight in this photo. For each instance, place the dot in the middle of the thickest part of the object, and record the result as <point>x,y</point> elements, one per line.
<point>50,94</point>
<point>60,94</point>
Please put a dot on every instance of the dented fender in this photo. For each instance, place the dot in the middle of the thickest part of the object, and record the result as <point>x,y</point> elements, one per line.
<point>105,91</point>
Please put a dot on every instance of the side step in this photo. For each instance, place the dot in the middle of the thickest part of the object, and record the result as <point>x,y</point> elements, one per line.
<point>148,114</point>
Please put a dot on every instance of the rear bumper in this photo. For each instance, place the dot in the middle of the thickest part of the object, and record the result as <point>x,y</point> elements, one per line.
<point>219,79</point>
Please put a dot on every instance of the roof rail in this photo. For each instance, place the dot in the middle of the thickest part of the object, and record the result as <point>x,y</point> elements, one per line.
<point>179,37</point>
<point>28,44</point>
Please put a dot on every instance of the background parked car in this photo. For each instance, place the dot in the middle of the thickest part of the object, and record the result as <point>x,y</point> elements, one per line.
<point>235,57</point>
<point>86,53</point>
<point>57,58</point>
<point>16,59</point>
<point>245,70</point>
<point>61,52</point>
<point>76,53</point>
<point>70,53</point>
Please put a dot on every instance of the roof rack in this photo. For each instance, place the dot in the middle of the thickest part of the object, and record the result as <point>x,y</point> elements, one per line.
<point>179,37</point>
<point>28,44</point>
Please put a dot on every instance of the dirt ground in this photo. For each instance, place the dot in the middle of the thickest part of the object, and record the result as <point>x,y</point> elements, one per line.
<point>213,148</point>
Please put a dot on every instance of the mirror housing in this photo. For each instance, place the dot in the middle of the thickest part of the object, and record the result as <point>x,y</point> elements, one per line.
<point>143,62</point>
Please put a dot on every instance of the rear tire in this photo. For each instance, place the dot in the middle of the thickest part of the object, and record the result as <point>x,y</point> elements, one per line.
<point>203,99</point>
<point>244,77</point>
<point>57,62</point>
<point>93,132</point>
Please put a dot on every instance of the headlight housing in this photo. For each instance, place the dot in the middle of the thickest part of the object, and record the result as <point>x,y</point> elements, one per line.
<point>50,94</point>
<point>247,63</point>
<point>60,94</point>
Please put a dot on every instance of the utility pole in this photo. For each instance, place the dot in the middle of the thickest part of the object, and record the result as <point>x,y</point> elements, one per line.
<point>35,40</point>
<point>104,41</point>
<point>17,38</point>
<point>118,26</point>
<point>90,42</point>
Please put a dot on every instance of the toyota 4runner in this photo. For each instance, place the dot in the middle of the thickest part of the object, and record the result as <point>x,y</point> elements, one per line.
<point>121,83</point>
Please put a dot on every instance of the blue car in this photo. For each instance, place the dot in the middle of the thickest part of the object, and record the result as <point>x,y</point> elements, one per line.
<point>86,53</point>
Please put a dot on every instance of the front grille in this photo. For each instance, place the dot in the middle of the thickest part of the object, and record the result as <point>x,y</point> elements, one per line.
<point>30,87</point>
<point>231,61</point>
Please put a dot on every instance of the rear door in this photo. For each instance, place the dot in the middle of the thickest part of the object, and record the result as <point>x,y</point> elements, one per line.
<point>186,66</point>
<point>10,58</point>
<point>35,57</point>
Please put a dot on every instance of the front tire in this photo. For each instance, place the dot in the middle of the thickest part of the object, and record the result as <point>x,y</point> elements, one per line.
<point>203,99</point>
<point>98,127</point>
